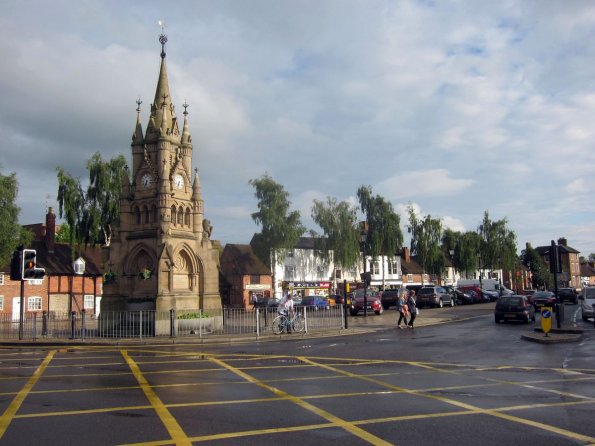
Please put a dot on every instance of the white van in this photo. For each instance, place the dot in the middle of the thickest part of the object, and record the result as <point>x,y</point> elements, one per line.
<point>486,284</point>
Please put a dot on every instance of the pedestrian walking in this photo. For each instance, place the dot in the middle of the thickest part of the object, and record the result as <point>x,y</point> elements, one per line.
<point>413,311</point>
<point>402,307</point>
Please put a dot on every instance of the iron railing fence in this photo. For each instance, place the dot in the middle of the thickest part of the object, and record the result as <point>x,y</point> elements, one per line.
<point>151,324</point>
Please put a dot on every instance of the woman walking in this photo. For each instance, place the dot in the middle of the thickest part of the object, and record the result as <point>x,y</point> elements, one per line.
<point>412,308</point>
<point>402,307</point>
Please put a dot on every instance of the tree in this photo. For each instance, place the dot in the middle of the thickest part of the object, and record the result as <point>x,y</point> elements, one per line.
<point>63,235</point>
<point>467,251</point>
<point>12,234</point>
<point>498,244</point>
<point>281,229</point>
<point>540,273</point>
<point>91,214</point>
<point>384,237</point>
<point>103,195</point>
<point>339,225</point>
<point>426,235</point>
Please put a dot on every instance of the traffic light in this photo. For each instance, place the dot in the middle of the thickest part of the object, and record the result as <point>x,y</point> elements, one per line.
<point>30,269</point>
<point>555,259</point>
<point>16,266</point>
<point>347,287</point>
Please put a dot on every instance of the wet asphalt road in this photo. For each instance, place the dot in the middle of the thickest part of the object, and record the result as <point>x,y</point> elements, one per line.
<point>468,382</point>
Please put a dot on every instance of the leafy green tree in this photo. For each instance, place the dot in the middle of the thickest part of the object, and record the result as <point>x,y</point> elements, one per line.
<point>540,273</point>
<point>384,237</point>
<point>12,234</point>
<point>467,251</point>
<point>498,244</point>
<point>103,195</point>
<point>281,229</point>
<point>63,235</point>
<point>341,237</point>
<point>426,235</point>
<point>91,214</point>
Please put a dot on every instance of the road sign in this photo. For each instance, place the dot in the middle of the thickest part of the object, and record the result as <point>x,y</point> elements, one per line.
<point>546,319</point>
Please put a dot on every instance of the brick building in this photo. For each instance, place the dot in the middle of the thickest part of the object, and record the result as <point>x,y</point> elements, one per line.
<point>61,290</point>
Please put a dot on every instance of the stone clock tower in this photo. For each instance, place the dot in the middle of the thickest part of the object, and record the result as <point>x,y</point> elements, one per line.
<point>161,256</point>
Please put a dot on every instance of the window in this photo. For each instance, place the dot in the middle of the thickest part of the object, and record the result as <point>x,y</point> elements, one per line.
<point>1,303</point>
<point>320,271</point>
<point>1,278</point>
<point>289,255</point>
<point>89,301</point>
<point>409,278</point>
<point>254,279</point>
<point>393,266</point>
<point>137,213</point>
<point>181,216</point>
<point>376,267</point>
<point>289,272</point>
<point>173,215</point>
<point>34,303</point>
<point>187,218</point>
<point>146,212</point>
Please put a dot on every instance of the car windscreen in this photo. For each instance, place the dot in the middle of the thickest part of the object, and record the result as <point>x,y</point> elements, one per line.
<point>590,293</point>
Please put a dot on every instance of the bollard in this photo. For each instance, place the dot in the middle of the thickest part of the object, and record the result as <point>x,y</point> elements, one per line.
<point>83,324</point>
<point>72,324</point>
<point>44,324</point>
<point>172,328</point>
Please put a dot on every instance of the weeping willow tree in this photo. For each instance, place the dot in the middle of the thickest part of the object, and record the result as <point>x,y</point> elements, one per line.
<point>384,237</point>
<point>426,236</point>
<point>91,214</point>
<point>338,221</point>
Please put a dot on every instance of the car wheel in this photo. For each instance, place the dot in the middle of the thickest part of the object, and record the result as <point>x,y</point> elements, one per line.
<point>385,306</point>
<point>585,318</point>
<point>452,302</point>
<point>497,319</point>
<point>440,303</point>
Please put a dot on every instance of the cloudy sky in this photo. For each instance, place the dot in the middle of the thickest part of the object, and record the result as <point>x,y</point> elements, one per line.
<point>457,107</point>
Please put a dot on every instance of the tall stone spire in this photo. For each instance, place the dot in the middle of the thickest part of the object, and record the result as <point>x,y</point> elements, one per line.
<point>162,110</point>
<point>186,137</point>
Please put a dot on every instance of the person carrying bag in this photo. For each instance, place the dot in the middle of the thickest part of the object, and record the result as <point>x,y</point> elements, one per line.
<point>402,307</point>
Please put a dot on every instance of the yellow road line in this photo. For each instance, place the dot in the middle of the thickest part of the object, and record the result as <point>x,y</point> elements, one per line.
<point>14,406</point>
<point>175,430</point>
<point>349,427</point>
<point>477,410</point>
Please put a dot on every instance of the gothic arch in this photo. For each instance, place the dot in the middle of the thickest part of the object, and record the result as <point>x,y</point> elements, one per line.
<point>137,215</point>
<point>138,259</point>
<point>188,270</point>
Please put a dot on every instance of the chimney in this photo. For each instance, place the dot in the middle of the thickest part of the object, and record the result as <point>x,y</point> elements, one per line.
<point>562,241</point>
<point>50,230</point>
<point>406,255</point>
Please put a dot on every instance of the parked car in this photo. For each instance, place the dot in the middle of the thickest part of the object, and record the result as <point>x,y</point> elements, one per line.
<point>474,292</point>
<point>336,298</point>
<point>568,294</point>
<point>587,300</point>
<point>389,298</point>
<point>490,296</point>
<point>373,302</point>
<point>543,299</point>
<point>434,296</point>
<point>316,302</point>
<point>463,297</point>
<point>515,307</point>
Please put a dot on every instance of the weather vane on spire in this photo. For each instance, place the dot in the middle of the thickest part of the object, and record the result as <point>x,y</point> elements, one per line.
<point>162,38</point>
<point>138,103</point>
<point>185,105</point>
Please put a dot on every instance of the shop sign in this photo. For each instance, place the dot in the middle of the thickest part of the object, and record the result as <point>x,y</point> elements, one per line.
<point>257,287</point>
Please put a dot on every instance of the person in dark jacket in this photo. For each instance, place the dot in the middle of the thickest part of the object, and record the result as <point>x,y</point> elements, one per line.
<point>412,308</point>
<point>402,307</point>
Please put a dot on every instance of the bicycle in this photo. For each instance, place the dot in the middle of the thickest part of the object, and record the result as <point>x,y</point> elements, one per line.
<point>282,322</point>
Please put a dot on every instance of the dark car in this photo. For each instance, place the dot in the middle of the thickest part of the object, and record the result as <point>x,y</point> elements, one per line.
<point>434,296</point>
<point>543,299</point>
<point>463,297</point>
<point>568,294</point>
<point>389,298</point>
<point>372,299</point>
<point>514,308</point>
<point>337,298</point>
<point>473,291</point>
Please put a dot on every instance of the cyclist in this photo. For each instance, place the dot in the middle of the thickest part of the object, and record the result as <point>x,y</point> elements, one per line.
<point>286,311</point>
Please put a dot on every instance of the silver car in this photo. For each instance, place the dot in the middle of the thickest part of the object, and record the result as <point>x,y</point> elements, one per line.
<point>587,300</point>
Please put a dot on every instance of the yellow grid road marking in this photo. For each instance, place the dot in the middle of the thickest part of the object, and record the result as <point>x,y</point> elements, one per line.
<point>349,427</point>
<point>477,410</point>
<point>173,428</point>
<point>14,406</point>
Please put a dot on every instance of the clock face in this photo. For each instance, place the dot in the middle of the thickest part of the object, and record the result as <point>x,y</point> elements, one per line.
<point>146,180</point>
<point>179,181</point>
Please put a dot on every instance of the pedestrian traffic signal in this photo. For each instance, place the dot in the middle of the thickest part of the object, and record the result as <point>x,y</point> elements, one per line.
<point>16,266</point>
<point>29,269</point>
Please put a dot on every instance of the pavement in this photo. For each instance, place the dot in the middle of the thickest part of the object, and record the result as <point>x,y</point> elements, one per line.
<point>568,332</point>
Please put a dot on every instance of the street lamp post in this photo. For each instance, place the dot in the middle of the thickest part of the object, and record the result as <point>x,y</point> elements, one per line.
<point>363,245</point>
